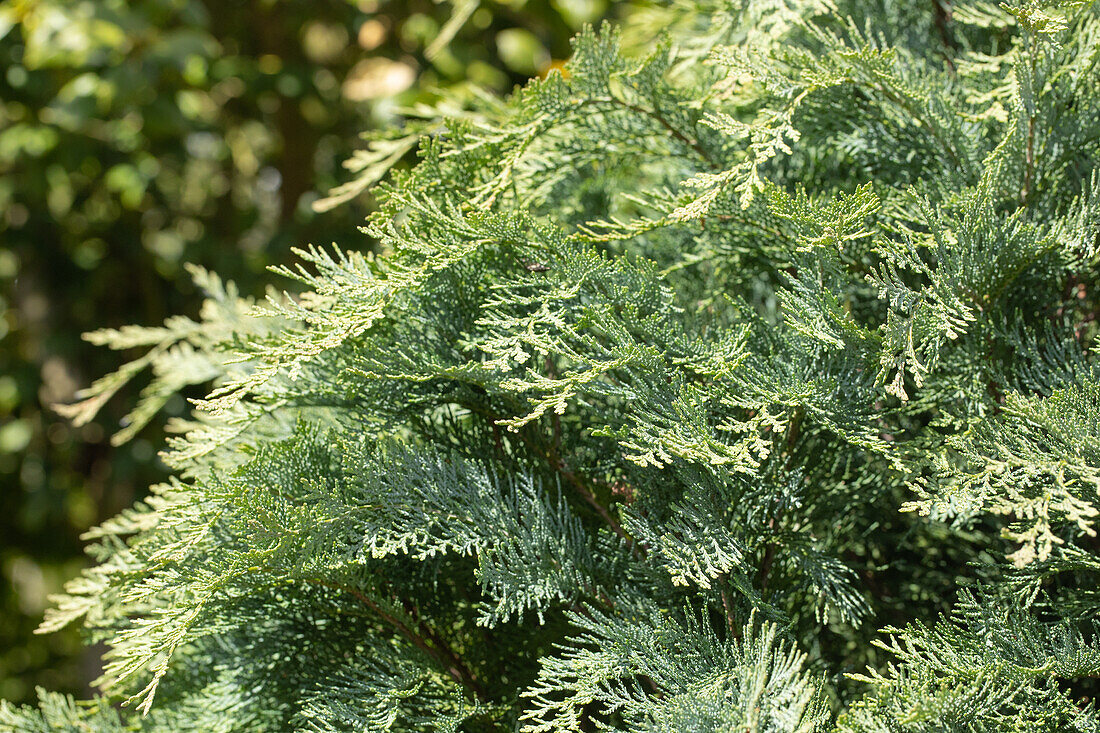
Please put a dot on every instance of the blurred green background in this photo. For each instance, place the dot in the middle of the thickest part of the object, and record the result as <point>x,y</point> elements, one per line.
<point>140,135</point>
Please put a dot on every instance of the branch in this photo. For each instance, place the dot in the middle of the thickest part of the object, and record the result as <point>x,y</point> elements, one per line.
<point>793,430</point>
<point>457,666</point>
<point>1029,155</point>
<point>919,117</point>
<point>438,650</point>
<point>728,607</point>
<point>562,468</point>
<point>655,115</point>
<point>941,13</point>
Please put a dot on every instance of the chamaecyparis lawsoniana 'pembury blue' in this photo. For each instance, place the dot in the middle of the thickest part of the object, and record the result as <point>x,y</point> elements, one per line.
<point>734,381</point>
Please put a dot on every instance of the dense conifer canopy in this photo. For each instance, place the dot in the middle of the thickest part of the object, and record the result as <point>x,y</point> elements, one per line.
<point>737,380</point>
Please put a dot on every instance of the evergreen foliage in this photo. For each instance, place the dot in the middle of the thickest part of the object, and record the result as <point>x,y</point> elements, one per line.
<point>743,383</point>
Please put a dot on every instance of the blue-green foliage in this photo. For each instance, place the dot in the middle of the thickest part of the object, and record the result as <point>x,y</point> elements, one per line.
<point>678,376</point>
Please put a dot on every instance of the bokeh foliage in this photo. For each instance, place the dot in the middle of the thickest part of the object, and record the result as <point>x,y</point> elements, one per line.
<point>140,135</point>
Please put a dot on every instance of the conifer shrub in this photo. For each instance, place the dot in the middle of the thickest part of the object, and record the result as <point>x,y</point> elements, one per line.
<point>739,383</point>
